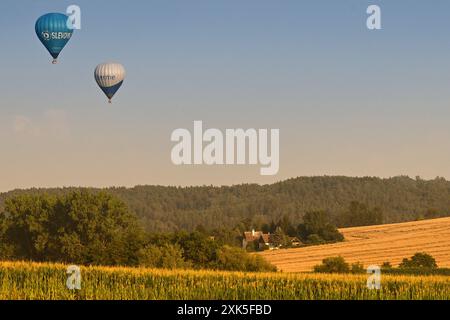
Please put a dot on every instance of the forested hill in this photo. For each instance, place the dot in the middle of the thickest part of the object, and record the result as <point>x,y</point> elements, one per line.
<point>174,208</point>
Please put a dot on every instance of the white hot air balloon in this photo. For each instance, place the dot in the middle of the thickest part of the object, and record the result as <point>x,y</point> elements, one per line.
<point>109,77</point>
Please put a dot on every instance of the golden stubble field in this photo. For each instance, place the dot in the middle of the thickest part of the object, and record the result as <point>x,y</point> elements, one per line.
<point>373,245</point>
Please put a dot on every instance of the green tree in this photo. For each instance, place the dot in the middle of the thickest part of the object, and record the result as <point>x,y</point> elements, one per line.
<point>317,228</point>
<point>419,260</point>
<point>168,256</point>
<point>231,237</point>
<point>333,265</point>
<point>198,248</point>
<point>6,249</point>
<point>359,214</point>
<point>79,227</point>
<point>286,225</point>
<point>279,238</point>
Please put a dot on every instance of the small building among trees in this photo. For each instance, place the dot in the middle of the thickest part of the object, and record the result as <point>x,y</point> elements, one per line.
<point>257,240</point>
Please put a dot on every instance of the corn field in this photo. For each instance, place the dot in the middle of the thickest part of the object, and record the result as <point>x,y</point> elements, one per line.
<point>23,280</point>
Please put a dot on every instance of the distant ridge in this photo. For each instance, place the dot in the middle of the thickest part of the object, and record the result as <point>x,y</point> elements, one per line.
<point>173,208</point>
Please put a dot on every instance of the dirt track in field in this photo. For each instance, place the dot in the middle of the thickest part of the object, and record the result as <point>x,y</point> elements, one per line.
<point>373,245</point>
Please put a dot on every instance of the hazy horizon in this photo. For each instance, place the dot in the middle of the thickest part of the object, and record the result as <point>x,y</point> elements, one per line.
<point>348,101</point>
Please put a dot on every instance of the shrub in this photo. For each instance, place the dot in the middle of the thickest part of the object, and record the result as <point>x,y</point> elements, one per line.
<point>357,268</point>
<point>333,265</point>
<point>236,259</point>
<point>314,239</point>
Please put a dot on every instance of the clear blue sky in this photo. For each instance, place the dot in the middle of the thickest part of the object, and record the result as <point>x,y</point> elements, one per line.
<point>347,101</point>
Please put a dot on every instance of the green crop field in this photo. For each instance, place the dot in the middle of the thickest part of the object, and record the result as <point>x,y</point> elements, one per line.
<point>22,280</point>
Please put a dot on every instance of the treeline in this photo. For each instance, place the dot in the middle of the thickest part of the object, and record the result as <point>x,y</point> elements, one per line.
<point>86,228</point>
<point>420,263</point>
<point>169,209</point>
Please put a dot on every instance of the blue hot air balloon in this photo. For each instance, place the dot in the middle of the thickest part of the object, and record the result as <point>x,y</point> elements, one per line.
<point>53,32</point>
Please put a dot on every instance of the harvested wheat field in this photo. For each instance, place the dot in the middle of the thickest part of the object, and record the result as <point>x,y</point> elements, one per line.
<point>373,245</point>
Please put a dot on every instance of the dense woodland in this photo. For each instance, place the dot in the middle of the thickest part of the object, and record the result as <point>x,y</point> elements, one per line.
<point>96,228</point>
<point>168,209</point>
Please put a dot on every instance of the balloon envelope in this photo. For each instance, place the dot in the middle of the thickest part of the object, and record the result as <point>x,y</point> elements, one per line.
<point>53,32</point>
<point>109,77</point>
